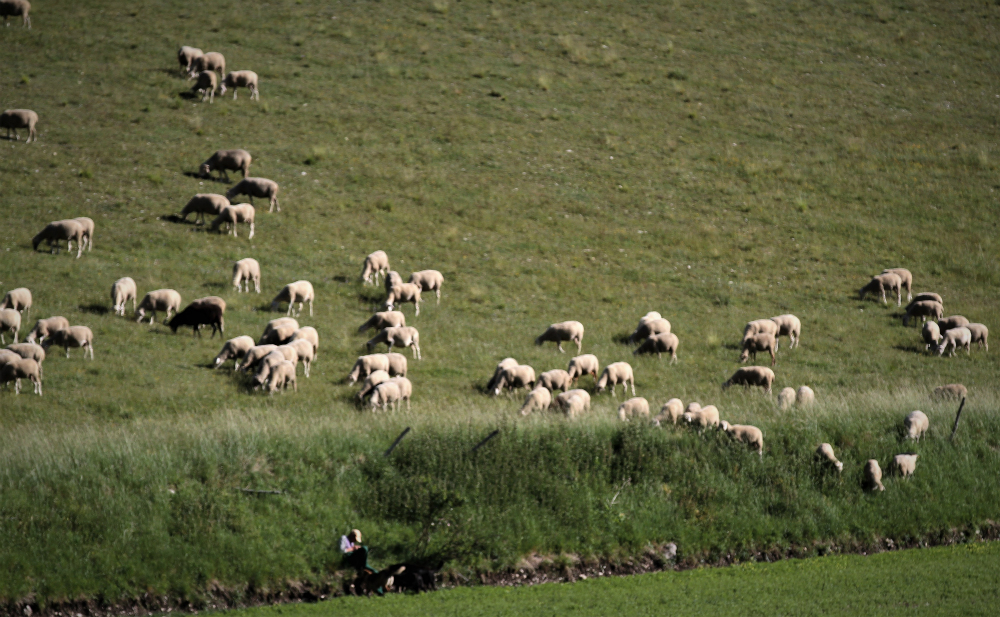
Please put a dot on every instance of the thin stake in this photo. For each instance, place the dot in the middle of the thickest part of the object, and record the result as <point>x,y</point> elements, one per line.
<point>256,492</point>
<point>957,416</point>
<point>488,437</point>
<point>396,443</point>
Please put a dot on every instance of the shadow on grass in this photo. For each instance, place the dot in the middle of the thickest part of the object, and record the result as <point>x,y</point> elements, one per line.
<point>917,349</point>
<point>197,175</point>
<point>622,338</point>
<point>94,309</point>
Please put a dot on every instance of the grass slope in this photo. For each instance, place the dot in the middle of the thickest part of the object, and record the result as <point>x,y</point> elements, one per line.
<point>714,162</point>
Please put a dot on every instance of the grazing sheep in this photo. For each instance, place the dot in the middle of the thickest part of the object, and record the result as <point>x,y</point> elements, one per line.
<point>254,356</point>
<point>160,300</point>
<point>571,331</point>
<point>980,334</point>
<point>13,119</point>
<point>88,231</point>
<point>279,331</point>
<point>282,376</point>
<point>614,374</point>
<point>267,364</point>
<point>392,279</point>
<point>397,364</point>
<point>225,160</point>
<point>212,61</point>
<point>6,356</point>
<point>308,333</point>
<point>556,379</point>
<point>241,79</point>
<point>202,204</point>
<point>384,319</point>
<point>786,398</point>
<point>498,371</point>
<point>45,327</point>
<point>10,320</point>
<point>304,349</point>
<point>29,350</point>
<point>825,455</point>
<point>955,338</point>
<point>403,336</point>
<point>405,389</point>
<point>931,334</point>
<point>650,323</point>
<point>366,365</point>
<point>873,476</point>
<point>198,315</point>
<point>515,377</point>
<point>210,301</point>
<point>73,336</point>
<point>257,187</point>
<point>761,326</point>
<point>299,291</point>
<point>574,402</point>
<point>234,349</point>
<point>805,396</point>
<point>790,326</point>
<point>693,406</point>
<point>636,406</point>
<point>905,280</point>
<point>404,292</point>
<point>13,8</point>
<point>207,84</point>
<point>376,264</point>
<point>955,321</point>
<point>68,230</point>
<point>246,270</point>
<point>952,391</point>
<point>21,368</point>
<point>374,379</point>
<point>750,435</point>
<point>905,464</point>
<point>916,424</point>
<point>672,410</point>
<point>122,291</point>
<point>762,341</point>
<point>385,394</point>
<point>703,417</point>
<point>18,299</point>
<point>231,215</point>
<point>923,309</point>
<point>659,344</point>
<point>881,283</point>
<point>429,280</point>
<point>538,399</point>
<point>186,57</point>
<point>749,376</point>
<point>586,364</point>
<point>926,295</point>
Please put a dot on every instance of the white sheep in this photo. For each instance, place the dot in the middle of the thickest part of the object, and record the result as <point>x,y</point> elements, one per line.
<point>749,376</point>
<point>692,407</point>
<point>824,454</point>
<point>392,279</point>
<point>18,299</point>
<point>790,326</point>
<point>202,204</point>
<point>267,364</point>
<point>207,84</point>
<point>672,410</point>
<point>905,280</point>
<point>636,406</point>
<point>186,57</point>
<point>234,349</point>
<point>955,338</point>
<point>750,435</point>
<point>245,271</point>
<point>648,326</point>
<point>225,160</point>
<point>397,364</point>
<point>402,293</point>
<point>88,231</point>
<point>556,379</point>
<point>384,319</point>
<point>405,389</point>
<point>614,374</point>
<point>279,331</point>
<point>429,280</point>
<point>403,336</point>
<point>574,402</point>
<point>586,364</point>
<point>160,300</point>
<point>366,365</point>
<point>68,230</point>
<point>952,391</point>
<point>74,336</point>
<point>13,119</point>
<point>703,417</point>
<point>873,476</point>
<point>980,334</point>
<point>931,334</point>
<point>122,291</point>
<point>45,327</point>
<point>212,61</point>
<point>786,398</point>
<point>233,214</point>
<point>282,376</point>
<point>504,364</point>
<point>241,79</point>
<point>13,8</point>
<point>540,398</point>
<point>916,424</point>
<point>10,320</point>
<point>571,331</point>
<point>955,321</point>
<point>304,349</point>
<point>923,309</point>
<point>761,326</point>
<point>18,369</point>
<point>762,341</point>
<point>385,394</point>
<point>257,187</point>
<point>308,333</point>
<point>805,396</point>
<point>905,464</point>
<point>515,377</point>
<point>880,284</point>
<point>376,264</point>
<point>666,342</point>
<point>299,291</point>
<point>374,378</point>
<point>30,351</point>
<point>254,356</point>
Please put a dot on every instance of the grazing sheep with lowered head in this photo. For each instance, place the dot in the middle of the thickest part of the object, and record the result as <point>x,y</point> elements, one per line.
<point>762,341</point>
<point>88,231</point>
<point>212,61</point>
<point>31,351</point>
<point>160,300</point>
<point>207,84</point>
<point>304,349</point>
<point>824,454</point>
<point>13,119</point>
<point>880,284</point>
<point>282,376</point>
<point>403,336</point>
<point>397,364</point>
<point>571,331</point>
<point>231,215</point>
<point>254,356</point>
<point>308,333</point>
<point>278,331</point>
<point>373,379</point>
<point>955,321</point>
<point>790,326</point>
<point>429,280</point>
<point>504,364</point>
<point>586,364</point>
<point>650,323</point>
<point>267,364</point>
<point>916,424</point>
<point>703,417</point>
<point>750,435</point>
<point>122,291</point>
<point>614,374</point>
<point>392,279</point>
<point>13,8</point>
<point>923,309</point>
<point>73,336</point>
<point>257,187</point>
<point>666,342</point>
<point>926,295</point>
<point>574,402</point>
<point>786,398</point>
<point>299,291</point>
<point>385,394</point>
<point>202,204</point>
<point>931,334</point>
<point>10,320</point>
<point>45,327</point>
<point>805,396</point>
<point>384,319</point>
<point>68,230</point>
<point>556,379</point>
<point>672,410</point>
<point>186,57</point>
<point>246,270</point>
<point>749,376</point>
<point>905,464</point>
<point>405,389</point>
<point>905,280</point>
<point>538,399</point>
<point>234,349</point>
<point>980,334</point>
<point>18,299</point>
<point>515,377</point>
<point>402,293</point>
<point>366,365</point>
<point>376,264</point>
<point>873,476</point>
<point>955,338</point>
<point>225,160</point>
<point>952,391</point>
<point>241,79</point>
<point>636,406</point>
<point>760,326</point>
<point>21,368</point>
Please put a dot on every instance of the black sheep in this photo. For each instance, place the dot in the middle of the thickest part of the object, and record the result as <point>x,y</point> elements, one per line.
<point>198,315</point>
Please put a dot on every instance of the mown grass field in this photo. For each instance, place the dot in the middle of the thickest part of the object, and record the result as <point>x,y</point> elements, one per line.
<point>715,162</point>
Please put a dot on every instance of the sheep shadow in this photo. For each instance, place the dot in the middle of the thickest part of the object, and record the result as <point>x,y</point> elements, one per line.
<point>189,95</point>
<point>622,338</point>
<point>94,309</point>
<point>370,295</point>
<point>343,278</point>
<point>197,175</point>
<point>732,346</point>
<point>911,349</point>
<point>214,285</point>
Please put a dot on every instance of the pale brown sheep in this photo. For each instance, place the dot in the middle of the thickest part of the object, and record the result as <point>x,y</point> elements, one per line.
<point>501,366</point>
<point>308,333</point>
<point>905,464</point>
<point>586,364</point>
<point>235,349</point>
<point>13,119</point>
<point>31,351</point>
<point>166,300</point>
<point>245,271</point>
<point>257,187</point>
<point>931,334</point>
<point>366,365</point>
<point>955,338</point>
<point>916,424</point>
<point>749,376</point>
<point>614,374</point>
<point>403,293</point>
<point>744,433</point>
<point>18,369</point>
<point>74,336</point>
<point>955,321</point>
<point>202,204</point>
<point>122,291</point>
<point>384,319</point>
<point>980,335</point>
<point>18,299</point>
<point>45,327</point>
<point>514,378</point>
<point>374,378</point>
<point>376,264</point>
<point>762,341</point>
<point>207,84</point>
<point>224,161</point>
<point>672,410</point>
<point>633,407</point>
<point>241,79</point>
<point>429,280</point>
<point>905,280</point>
<point>650,323</point>
<point>703,417</point>
<point>873,476</point>
<point>790,326</point>
<point>212,61</point>
<point>556,379</point>
<point>666,342</point>
<point>13,8</point>
<point>923,309</point>
<point>279,331</point>
<point>10,321</point>
<point>574,402</point>
<point>88,231</point>
<point>186,57</point>
<point>234,214</point>
<point>299,291</point>
<point>952,391</point>
<point>880,284</point>
<point>825,456</point>
<point>571,331</point>
<point>68,230</point>
<point>403,336</point>
<point>539,399</point>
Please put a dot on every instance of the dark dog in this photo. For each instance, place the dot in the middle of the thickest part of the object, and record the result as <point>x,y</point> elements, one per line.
<point>367,583</point>
<point>414,578</point>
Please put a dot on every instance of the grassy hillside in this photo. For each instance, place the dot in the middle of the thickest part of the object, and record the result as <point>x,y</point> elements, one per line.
<point>714,162</point>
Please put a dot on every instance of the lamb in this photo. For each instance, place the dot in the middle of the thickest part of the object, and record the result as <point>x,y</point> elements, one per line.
<point>955,338</point>
<point>88,231</point>
<point>931,334</point>
<point>926,295</point>
<point>68,230</point>
<point>805,396</point>
<point>538,399</point>
<point>571,331</point>
<point>750,435</point>
<point>405,389</point>
<point>241,79</point>
<point>122,291</point>
<point>10,320</point>
<point>672,410</point>
<point>246,270</point>
<point>905,279</point>
<point>186,57</point>
<point>498,371</point>
<point>923,309</point>
<point>375,264</point>
<point>824,454</point>
<point>429,280</point>
<point>905,464</point>
<point>761,326</point>
<point>45,327</point>
<point>786,398</point>
<point>279,331</point>
<point>281,376</point>
<point>197,315</point>
<point>574,402</point>
<point>385,394</point>
<point>308,333</point>
<point>13,8</point>
<point>881,283</point>
<point>703,417</point>
<point>299,291</point>
<point>160,300</point>
<point>73,336</point>
<point>207,84</point>
<point>231,215</point>
<point>212,61</point>
<point>374,379</point>
<point>873,476</point>
<point>254,355</point>
<point>614,374</point>
<point>18,299</point>
<point>304,350</point>
<point>556,379</point>
<point>952,391</point>
<point>650,323</point>
<point>29,350</point>
<point>397,364</point>
<point>225,160</point>
<point>955,321</point>
<point>13,119</point>
<point>257,187</point>
<point>636,406</point>
<point>659,344</point>
<point>384,319</point>
<point>586,364</point>
<point>763,341</point>
<point>202,204</point>
<point>748,376</point>
<point>515,377</point>
<point>916,424</point>
<point>790,326</point>
<point>366,365</point>
<point>234,349</point>
<point>404,292</point>
<point>18,369</point>
<point>980,334</point>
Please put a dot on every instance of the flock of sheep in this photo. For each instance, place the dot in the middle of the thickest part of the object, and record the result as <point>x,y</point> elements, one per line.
<point>201,66</point>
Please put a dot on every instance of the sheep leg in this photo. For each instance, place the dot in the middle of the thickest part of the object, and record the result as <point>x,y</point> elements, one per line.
<point>251,231</point>
<point>559,345</point>
<point>67,352</point>
<point>633,386</point>
<point>438,292</point>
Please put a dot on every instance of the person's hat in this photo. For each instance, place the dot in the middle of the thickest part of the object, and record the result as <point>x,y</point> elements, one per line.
<point>357,534</point>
